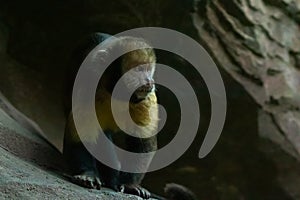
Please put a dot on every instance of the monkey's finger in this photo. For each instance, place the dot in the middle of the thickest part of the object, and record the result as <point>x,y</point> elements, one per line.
<point>122,189</point>
<point>98,183</point>
<point>131,190</point>
<point>90,182</point>
<point>137,192</point>
<point>145,194</point>
<point>87,182</point>
<point>83,180</point>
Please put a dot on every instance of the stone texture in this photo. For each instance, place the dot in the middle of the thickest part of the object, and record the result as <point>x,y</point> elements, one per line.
<point>258,44</point>
<point>31,169</point>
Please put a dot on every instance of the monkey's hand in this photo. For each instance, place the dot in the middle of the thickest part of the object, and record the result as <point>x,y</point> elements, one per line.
<point>135,190</point>
<point>87,179</point>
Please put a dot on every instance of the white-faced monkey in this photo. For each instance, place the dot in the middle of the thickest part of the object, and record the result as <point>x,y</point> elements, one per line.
<point>86,170</point>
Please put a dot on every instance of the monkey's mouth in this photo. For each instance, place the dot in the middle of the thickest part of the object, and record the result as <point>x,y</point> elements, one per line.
<point>145,89</point>
<point>142,92</point>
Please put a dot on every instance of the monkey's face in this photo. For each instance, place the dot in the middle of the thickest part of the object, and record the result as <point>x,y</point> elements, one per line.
<point>141,77</point>
<point>139,67</point>
<point>144,74</point>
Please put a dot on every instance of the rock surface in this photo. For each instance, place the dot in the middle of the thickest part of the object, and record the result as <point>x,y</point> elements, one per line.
<point>30,168</point>
<point>258,44</point>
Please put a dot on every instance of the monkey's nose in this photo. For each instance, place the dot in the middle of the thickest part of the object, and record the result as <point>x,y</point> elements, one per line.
<point>149,81</point>
<point>150,84</point>
<point>148,87</point>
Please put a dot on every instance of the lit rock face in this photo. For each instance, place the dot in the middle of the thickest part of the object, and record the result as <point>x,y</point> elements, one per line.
<point>258,44</point>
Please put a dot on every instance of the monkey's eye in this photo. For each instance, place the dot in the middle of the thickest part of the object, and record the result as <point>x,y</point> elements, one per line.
<point>139,69</point>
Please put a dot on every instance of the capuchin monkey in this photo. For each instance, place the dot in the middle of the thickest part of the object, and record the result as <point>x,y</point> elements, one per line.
<point>86,170</point>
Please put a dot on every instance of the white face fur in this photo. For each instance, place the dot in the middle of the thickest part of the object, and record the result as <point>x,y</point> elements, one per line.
<point>141,75</point>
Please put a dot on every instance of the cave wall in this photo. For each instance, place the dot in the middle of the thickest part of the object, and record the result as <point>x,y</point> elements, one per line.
<point>258,44</point>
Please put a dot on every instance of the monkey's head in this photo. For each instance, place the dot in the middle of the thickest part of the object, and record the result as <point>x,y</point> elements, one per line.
<point>140,66</point>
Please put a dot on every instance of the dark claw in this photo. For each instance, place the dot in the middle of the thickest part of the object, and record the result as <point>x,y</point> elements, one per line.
<point>135,190</point>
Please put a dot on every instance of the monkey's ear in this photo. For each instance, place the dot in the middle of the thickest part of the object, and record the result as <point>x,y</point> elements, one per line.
<point>107,43</point>
<point>100,55</point>
<point>98,60</point>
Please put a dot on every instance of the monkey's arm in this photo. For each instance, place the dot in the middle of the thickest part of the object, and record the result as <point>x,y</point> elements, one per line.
<point>131,181</point>
<point>81,162</point>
